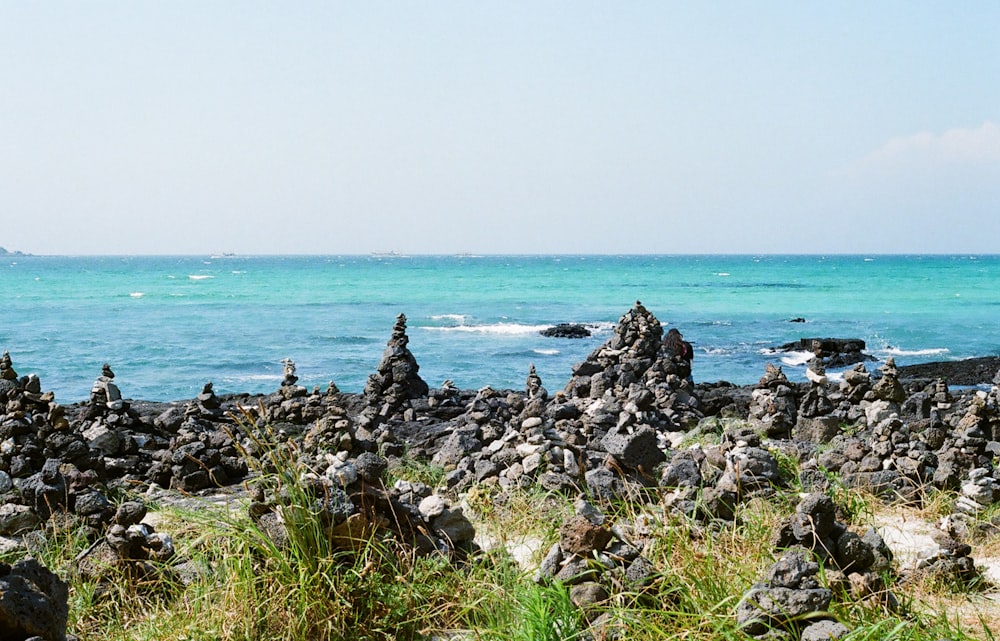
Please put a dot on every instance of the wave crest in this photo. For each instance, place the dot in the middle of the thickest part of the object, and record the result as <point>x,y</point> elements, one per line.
<point>506,329</point>
<point>932,351</point>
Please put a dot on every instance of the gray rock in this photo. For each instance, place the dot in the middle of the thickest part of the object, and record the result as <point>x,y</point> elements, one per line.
<point>815,516</point>
<point>636,451</point>
<point>17,519</point>
<point>824,631</point>
<point>456,447</point>
<point>454,526</point>
<point>587,595</point>
<point>682,471</point>
<point>639,573</point>
<point>816,429</point>
<point>551,563</point>
<point>793,570</point>
<point>602,483</point>
<point>763,608</point>
<point>370,467</point>
<point>576,570</point>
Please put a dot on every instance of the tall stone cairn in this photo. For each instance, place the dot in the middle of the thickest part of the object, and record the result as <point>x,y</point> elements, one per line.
<point>396,380</point>
<point>623,359</point>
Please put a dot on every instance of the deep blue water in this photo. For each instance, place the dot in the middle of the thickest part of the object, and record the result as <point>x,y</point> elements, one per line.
<point>169,324</point>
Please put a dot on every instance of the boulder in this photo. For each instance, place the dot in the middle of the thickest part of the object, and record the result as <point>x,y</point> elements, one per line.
<point>33,602</point>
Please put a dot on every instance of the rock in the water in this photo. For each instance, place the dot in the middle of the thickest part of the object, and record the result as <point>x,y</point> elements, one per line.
<point>566,330</point>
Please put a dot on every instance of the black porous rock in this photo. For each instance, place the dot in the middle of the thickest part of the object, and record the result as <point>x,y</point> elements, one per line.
<point>34,602</point>
<point>789,593</point>
<point>566,330</point>
<point>835,352</point>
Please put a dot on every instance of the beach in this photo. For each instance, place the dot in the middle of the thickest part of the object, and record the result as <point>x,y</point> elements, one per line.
<point>627,428</point>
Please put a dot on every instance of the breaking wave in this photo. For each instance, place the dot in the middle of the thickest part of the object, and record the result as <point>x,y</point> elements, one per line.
<point>503,329</point>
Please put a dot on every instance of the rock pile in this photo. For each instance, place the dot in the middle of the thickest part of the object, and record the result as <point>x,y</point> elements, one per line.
<point>352,503</point>
<point>129,548</point>
<point>594,560</point>
<point>791,599</point>
<point>853,563</point>
<point>396,380</point>
<point>788,602</point>
<point>617,430</point>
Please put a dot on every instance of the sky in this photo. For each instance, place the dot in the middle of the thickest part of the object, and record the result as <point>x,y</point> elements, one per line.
<point>191,127</point>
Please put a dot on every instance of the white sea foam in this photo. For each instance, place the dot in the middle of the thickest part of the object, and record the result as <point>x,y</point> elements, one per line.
<point>795,359</point>
<point>199,276</point>
<point>895,351</point>
<point>723,274</point>
<point>137,294</point>
<point>508,329</point>
<point>546,352</point>
<point>458,318</point>
<point>257,377</point>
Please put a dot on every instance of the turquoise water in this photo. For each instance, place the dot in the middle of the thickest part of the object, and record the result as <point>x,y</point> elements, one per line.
<point>169,324</point>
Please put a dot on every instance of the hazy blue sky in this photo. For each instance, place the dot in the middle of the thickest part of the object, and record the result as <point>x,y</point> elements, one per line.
<point>506,127</point>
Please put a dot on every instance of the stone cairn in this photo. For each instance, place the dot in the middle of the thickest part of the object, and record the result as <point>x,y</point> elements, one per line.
<point>949,559</point>
<point>203,450</point>
<point>396,380</point>
<point>352,502</point>
<point>129,547</point>
<point>790,598</point>
<point>46,467</point>
<point>622,360</point>
<point>774,405</point>
<point>595,560</point>
<point>816,421</point>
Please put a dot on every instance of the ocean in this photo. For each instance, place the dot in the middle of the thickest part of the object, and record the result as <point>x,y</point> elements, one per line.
<point>168,325</point>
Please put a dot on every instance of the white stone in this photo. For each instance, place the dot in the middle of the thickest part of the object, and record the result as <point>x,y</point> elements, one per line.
<point>343,473</point>
<point>527,449</point>
<point>978,473</point>
<point>965,505</point>
<point>981,494</point>
<point>432,506</point>
<point>529,423</point>
<point>102,439</point>
<point>816,378</point>
<point>910,540</point>
<point>531,463</point>
<point>878,411</point>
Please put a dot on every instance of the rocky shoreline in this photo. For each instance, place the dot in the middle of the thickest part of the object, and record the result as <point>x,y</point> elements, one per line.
<point>627,426</point>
